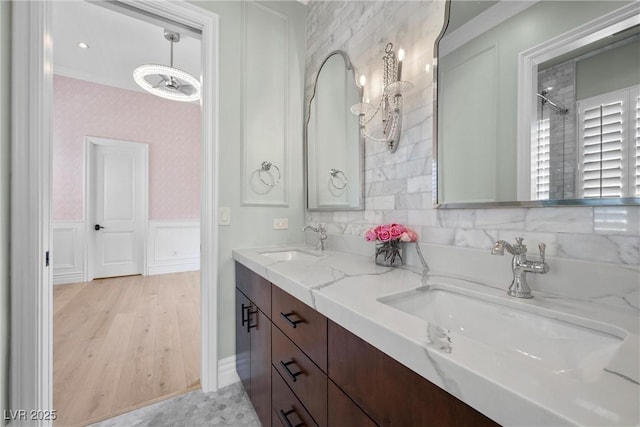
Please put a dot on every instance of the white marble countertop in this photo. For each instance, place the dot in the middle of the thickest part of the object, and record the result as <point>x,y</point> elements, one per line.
<point>346,288</point>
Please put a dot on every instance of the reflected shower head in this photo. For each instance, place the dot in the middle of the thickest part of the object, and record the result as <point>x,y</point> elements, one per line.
<point>555,105</point>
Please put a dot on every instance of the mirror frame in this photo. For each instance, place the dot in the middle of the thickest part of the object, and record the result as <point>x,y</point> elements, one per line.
<point>605,201</point>
<point>360,207</point>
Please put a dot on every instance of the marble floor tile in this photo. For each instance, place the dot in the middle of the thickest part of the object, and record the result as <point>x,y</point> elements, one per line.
<point>228,407</point>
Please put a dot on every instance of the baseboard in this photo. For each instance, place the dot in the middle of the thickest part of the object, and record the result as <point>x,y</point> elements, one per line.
<point>175,267</point>
<point>64,279</point>
<point>227,374</point>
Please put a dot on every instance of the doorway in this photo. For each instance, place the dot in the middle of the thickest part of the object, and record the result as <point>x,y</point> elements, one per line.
<point>31,337</point>
<point>120,321</point>
<point>116,194</point>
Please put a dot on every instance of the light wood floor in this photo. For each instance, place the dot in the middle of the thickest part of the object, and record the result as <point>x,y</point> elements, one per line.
<point>122,343</point>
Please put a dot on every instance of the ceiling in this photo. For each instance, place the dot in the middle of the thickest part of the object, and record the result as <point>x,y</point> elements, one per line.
<point>117,44</point>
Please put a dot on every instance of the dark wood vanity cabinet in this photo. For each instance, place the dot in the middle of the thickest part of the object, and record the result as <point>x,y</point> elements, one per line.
<point>301,369</point>
<point>253,339</point>
<point>243,341</point>
<point>299,355</point>
<point>343,412</point>
<point>302,324</point>
<point>287,410</point>
<point>389,392</point>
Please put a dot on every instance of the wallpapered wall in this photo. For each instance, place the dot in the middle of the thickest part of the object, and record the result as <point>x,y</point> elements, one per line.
<point>172,130</point>
<point>398,186</point>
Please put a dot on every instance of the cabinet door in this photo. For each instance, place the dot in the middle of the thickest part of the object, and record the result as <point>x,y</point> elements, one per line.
<point>260,337</point>
<point>343,412</point>
<point>391,393</point>
<point>243,353</point>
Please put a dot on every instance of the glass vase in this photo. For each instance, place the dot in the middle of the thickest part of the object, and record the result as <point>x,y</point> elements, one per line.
<point>390,254</point>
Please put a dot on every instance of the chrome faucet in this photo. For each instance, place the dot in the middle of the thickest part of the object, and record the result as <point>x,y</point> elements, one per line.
<point>322,234</point>
<point>521,265</point>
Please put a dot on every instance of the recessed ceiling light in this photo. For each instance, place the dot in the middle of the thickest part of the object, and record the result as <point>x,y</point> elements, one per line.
<point>83,45</point>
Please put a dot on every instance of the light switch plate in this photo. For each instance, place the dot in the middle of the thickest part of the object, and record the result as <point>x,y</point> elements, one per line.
<point>280,223</point>
<point>224,215</point>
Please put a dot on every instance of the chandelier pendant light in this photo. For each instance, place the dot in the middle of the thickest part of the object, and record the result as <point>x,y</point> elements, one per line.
<point>390,104</point>
<point>167,81</point>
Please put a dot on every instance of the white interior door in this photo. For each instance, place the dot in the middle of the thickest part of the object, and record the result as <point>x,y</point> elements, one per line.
<point>118,197</point>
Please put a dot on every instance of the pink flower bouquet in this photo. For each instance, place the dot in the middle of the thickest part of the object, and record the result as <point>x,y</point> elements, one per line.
<point>388,238</point>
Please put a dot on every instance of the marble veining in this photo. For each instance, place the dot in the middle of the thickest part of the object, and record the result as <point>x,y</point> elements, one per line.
<point>631,380</point>
<point>439,339</point>
<point>349,289</point>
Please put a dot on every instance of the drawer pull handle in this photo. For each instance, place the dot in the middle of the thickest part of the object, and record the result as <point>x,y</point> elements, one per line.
<point>293,323</point>
<point>284,417</point>
<point>245,319</point>
<point>249,325</point>
<point>291,374</point>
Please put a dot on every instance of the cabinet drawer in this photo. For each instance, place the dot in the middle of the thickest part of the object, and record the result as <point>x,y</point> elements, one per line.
<point>302,324</point>
<point>302,376</point>
<point>286,408</point>
<point>255,287</point>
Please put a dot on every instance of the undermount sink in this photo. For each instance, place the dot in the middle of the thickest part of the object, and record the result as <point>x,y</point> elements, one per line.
<point>526,335</point>
<point>290,255</point>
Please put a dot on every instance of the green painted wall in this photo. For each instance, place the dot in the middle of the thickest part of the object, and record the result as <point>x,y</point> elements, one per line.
<point>610,70</point>
<point>251,226</point>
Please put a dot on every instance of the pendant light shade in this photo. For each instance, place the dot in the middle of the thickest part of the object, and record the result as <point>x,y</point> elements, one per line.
<point>166,81</point>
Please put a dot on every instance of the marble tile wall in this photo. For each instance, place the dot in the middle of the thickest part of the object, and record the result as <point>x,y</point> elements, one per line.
<point>561,79</point>
<point>398,186</point>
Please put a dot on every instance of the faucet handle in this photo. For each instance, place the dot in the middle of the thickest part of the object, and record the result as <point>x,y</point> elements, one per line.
<point>519,247</point>
<point>542,248</point>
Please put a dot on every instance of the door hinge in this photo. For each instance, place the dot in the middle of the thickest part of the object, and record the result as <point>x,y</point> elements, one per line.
<point>46,259</point>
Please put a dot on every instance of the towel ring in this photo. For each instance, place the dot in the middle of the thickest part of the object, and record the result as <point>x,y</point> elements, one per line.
<point>266,167</point>
<point>334,173</point>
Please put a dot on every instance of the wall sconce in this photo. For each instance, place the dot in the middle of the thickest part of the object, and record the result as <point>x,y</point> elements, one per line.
<point>390,105</point>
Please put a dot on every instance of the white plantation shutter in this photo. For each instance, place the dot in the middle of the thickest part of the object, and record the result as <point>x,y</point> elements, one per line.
<point>609,151</point>
<point>602,150</point>
<point>540,161</point>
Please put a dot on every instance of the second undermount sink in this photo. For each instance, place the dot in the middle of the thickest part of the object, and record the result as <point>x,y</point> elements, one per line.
<point>290,255</point>
<point>511,331</point>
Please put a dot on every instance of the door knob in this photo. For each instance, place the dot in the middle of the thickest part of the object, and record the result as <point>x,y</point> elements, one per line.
<point>97,227</point>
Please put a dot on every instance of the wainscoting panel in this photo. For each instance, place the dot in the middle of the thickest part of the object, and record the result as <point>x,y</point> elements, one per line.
<point>173,246</point>
<point>67,253</point>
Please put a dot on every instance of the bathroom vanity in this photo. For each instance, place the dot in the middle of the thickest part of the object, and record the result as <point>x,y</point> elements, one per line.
<point>323,375</point>
<point>329,339</point>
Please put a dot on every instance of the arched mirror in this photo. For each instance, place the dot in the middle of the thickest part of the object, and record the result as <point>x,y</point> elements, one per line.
<point>333,146</point>
<point>538,104</point>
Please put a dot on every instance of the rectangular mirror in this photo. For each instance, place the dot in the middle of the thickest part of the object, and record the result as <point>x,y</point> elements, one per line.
<point>538,104</point>
<point>333,145</point>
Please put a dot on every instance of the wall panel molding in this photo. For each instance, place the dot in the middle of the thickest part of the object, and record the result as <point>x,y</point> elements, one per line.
<point>67,252</point>
<point>266,99</point>
<point>173,246</point>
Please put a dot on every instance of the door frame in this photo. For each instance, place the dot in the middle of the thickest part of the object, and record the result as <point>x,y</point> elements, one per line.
<point>89,215</point>
<point>31,346</point>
